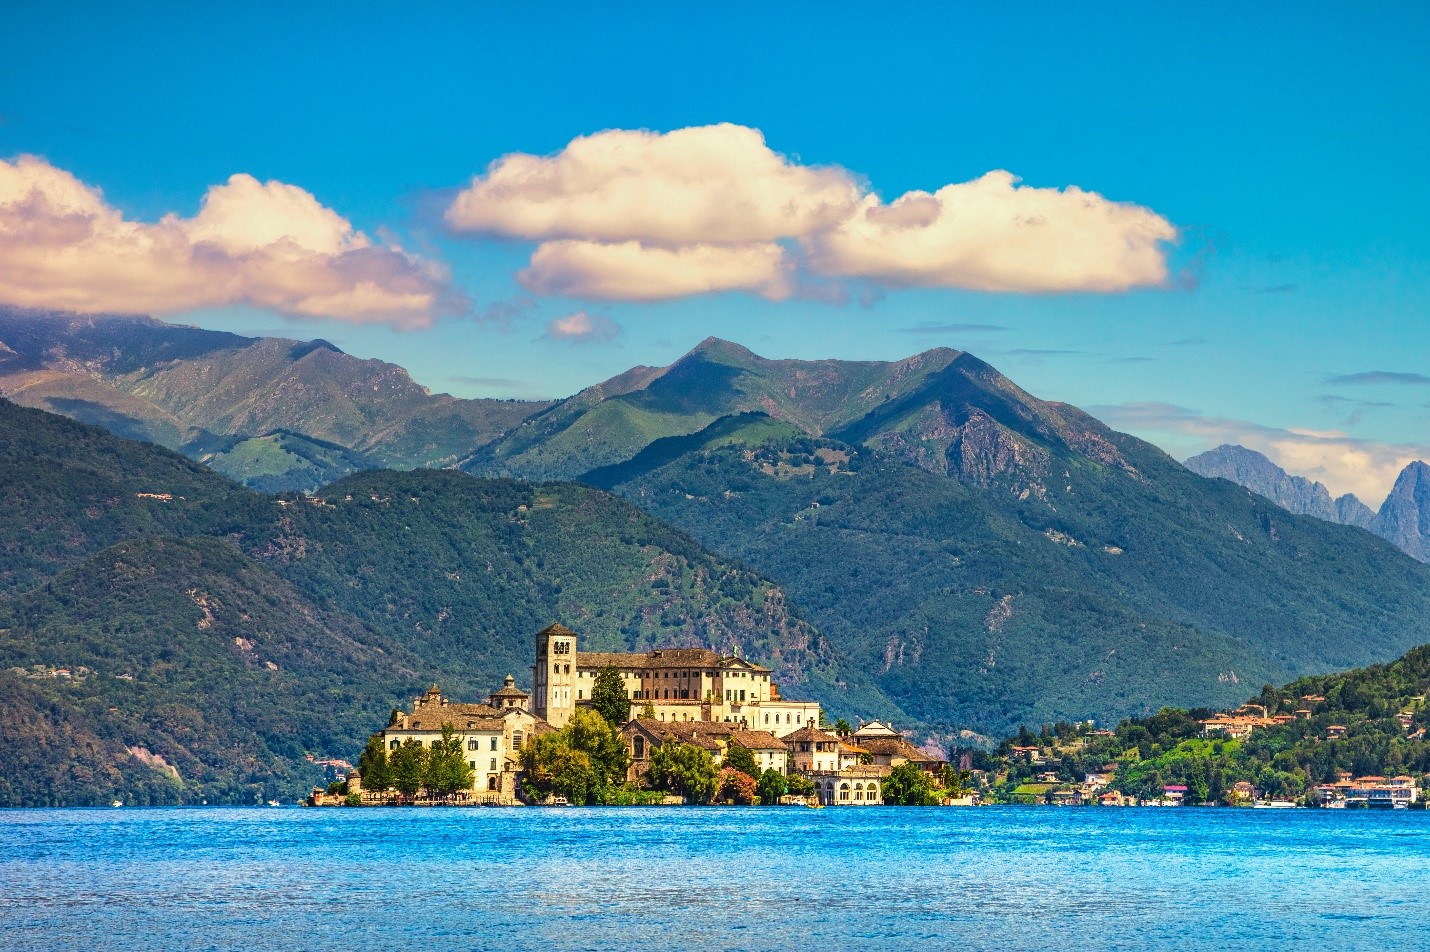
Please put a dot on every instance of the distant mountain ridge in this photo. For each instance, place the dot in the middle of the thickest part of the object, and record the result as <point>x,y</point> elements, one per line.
<point>1403,519</point>
<point>317,413</point>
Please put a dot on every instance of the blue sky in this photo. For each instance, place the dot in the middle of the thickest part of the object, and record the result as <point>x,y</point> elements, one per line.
<point>1285,145</point>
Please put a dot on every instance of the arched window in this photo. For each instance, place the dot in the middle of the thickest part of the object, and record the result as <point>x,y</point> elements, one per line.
<point>844,791</point>
<point>640,747</point>
<point>491,783</point>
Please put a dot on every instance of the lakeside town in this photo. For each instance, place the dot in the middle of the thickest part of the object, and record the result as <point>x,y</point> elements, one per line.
<point>673,726</point>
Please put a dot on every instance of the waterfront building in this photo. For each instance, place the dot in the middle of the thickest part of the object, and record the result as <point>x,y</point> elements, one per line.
<point>677,684</point>
<point>492,734</point>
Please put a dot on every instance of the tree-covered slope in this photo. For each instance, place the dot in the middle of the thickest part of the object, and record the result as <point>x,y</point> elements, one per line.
<point>168,671</point>
<point>68,490</point>
<point>464,571</point>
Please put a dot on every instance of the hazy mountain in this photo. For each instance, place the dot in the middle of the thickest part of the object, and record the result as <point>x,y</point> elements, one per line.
<point>1257,473</point>
<point>156,618</point>
<point>1403,519</point>
<point>205,392</point>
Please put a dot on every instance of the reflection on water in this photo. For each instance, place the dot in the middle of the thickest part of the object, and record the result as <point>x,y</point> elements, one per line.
<point>712,878</point>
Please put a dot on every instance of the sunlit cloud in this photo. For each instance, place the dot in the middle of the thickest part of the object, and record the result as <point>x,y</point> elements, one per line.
<point>266,244</point>
<point>640,216</point>
<point>582,327</point>
<point>1344,463</point>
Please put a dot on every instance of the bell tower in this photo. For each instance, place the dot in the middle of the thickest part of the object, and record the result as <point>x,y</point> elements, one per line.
<point>553,677</point>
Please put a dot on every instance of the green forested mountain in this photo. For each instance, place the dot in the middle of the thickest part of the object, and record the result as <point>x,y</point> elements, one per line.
<point>611,422</point>
<point>168,636</point>
<point>210,394</point>
<point>989,557</point>
<point>463,571</point>
<point>192,662</point>
<point>68,490</point>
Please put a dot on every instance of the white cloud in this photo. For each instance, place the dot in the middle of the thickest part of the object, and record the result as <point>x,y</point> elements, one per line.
<point>631,271</point>
<point>1346,464</point>
<point>582,327</point>
<point>639,215</point>
<point>992,234</point>
<point>705,184</point>
<point>267,244</point>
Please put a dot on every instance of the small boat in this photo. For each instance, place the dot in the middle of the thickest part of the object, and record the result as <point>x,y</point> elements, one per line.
<point>557,802</point>
<point>117,803</point>
<point>1273,805</point>
<point>274,803</point>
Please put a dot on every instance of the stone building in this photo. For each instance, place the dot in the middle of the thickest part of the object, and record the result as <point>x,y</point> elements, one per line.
<point>643,734</point>
<point>492,734</point>
<point>885,747</point>
<point>676,684</point>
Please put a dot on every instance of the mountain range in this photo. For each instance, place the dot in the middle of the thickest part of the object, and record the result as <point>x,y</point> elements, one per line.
<point>918,539</point>
<point>271,413</point>
<point>1403,519</point>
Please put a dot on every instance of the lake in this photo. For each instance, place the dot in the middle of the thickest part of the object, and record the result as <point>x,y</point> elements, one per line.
<point>998,877</point>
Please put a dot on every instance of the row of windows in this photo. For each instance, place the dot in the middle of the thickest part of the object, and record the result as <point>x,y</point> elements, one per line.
<point>473,743</point>
<point>798,718</point>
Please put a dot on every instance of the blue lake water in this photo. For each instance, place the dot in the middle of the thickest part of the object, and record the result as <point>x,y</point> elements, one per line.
<point>714,879</point>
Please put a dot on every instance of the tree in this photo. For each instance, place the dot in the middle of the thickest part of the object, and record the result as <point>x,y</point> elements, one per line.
<point>842,728</point>
<point>737,787</point>
<point>648,711</point>
<point>771,787</point>
<point>372,765</point>
<point>799,785</point>
<point>408,765</point>
<point>609,698</point>
<point>447,768</point>
<point>583,762</point>
<point>684,769</point>
<point>908,786</point>
<point>739,758</point>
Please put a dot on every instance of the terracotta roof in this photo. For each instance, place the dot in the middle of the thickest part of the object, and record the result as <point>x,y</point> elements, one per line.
<point>476,717</point>
<point>896,746</point>
<point>811,732</point>
<point>704,734</point>
<point>661,659</point>
<point>556,629</point>
<point>758,740</point>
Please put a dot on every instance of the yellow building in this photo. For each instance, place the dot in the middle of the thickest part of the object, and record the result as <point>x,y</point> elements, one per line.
<point>492,734</point>
<point>678,684</point>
